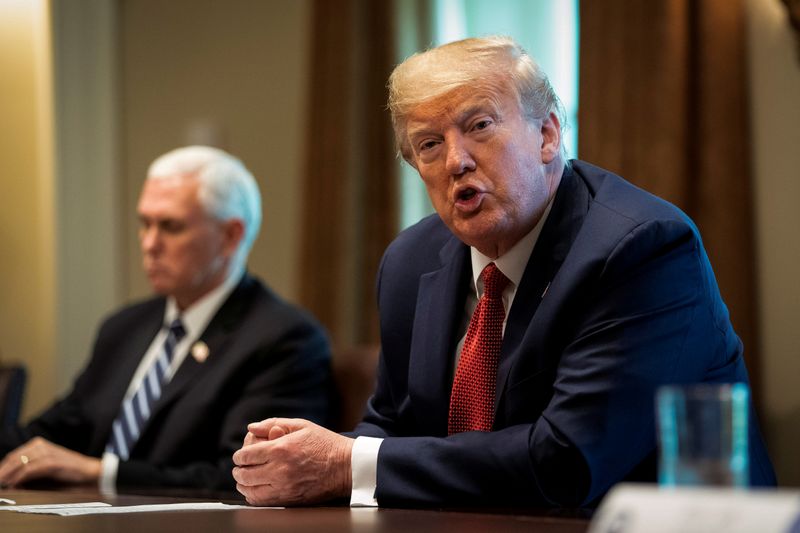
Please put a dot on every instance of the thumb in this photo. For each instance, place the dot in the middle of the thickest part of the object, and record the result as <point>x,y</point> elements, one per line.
<point>276,432</point>
<point>282,427</point>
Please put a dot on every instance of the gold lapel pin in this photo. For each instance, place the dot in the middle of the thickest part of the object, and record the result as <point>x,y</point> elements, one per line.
<point>200,351</point>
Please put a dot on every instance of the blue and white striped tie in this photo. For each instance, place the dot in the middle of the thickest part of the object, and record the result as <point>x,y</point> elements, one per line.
<point>136,410</point>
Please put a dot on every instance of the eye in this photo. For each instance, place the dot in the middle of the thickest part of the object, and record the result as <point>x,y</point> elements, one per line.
<point>482,124</point>
<point>427,145</point>
<point>171,226</point>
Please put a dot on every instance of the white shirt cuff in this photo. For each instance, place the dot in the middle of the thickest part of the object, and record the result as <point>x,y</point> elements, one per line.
<point>364,465</point>
<point>109,464</point>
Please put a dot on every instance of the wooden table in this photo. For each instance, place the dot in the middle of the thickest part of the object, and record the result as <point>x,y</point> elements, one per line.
<point>310,519</point>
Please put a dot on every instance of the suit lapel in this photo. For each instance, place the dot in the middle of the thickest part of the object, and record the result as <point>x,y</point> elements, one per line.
<point>436,321</point>
<point>523,334</point>
<point>215,336</point>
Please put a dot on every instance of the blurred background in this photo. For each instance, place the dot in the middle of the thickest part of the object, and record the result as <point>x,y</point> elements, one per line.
<point>697,101</point>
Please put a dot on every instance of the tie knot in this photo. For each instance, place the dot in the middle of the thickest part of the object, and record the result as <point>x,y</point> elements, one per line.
<point>494,281</point>
<point>176,329</point>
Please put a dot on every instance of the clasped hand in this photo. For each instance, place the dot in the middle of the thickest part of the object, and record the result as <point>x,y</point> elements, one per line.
<point>286,461</point>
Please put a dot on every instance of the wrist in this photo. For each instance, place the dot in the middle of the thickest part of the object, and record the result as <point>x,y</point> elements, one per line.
<point>344,468</point>
<point>94,470</point>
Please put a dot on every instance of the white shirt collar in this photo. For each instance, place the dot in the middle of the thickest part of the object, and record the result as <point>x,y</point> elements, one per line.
<point>512,264</point>
<point>196,317</point>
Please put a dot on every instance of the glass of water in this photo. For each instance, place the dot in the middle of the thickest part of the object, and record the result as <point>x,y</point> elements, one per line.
<point>702,432</point>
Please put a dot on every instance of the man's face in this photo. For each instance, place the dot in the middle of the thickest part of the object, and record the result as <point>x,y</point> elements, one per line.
<point>185,251</point>
<point>483,165</point>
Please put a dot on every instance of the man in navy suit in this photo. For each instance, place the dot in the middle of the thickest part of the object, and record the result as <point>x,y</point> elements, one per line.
<point>172,382</point>
<point>604,293</point>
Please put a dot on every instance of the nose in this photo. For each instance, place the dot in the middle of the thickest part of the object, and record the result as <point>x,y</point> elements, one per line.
<point>459,159</point>
<point>149,238</point>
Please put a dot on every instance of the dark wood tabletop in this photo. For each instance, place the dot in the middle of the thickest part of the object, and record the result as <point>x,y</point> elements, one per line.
<point>298,519</point>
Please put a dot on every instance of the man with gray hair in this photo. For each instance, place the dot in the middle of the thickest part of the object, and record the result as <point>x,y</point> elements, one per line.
<point>524,327</point>
<point>173,381</point>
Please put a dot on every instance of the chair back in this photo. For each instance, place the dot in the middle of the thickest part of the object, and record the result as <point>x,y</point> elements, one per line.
<point>12,388</point>
<point>354,376</point>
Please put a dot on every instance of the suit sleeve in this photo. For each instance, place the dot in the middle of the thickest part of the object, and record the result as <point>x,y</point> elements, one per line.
<point>67,422</point>
<point>289,378</point>
<point>647,316</point>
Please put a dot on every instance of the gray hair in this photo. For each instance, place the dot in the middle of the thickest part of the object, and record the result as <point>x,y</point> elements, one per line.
<point>227,189</point>
<point>493,63</point>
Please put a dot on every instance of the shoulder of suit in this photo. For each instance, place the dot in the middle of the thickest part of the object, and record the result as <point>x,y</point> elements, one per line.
<point>427,235</point>
<point>621,197</point>
<point>144,314</point>
<point>147,307</point>
<point>266,305</point>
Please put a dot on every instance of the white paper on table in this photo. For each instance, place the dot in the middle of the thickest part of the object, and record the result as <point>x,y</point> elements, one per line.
<point>44,506</point>
<point>78,509</point>
<point>631,508</point>
<point>6,500</point>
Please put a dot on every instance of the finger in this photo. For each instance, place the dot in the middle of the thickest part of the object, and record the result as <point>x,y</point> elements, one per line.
<point>247,492</point>
<point>276,432</point>
<point>294,424</point>
<point>249,439</point>
<point>13,462</point>
<point>16,478</point>
<point>253,454</point>
<point>8,469</point>
<point>258,495</point>
<point>252,476</point>
<point>32,470</point>
<point>261,429</point>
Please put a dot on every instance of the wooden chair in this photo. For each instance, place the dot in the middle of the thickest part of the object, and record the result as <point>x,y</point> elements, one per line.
<point>354,378</point>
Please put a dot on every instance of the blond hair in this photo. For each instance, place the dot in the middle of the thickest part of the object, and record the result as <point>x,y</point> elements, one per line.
<point>491,63</point>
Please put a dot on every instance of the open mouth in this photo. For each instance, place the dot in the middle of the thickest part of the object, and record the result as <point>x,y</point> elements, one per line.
<point>467,194</point>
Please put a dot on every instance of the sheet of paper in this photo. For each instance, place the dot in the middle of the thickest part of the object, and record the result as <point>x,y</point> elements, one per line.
<point>104,508</point>
<point>4,500</point>
<point>44,507</point>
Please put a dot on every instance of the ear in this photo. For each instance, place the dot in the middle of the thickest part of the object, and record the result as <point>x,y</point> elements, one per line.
<point>551,138</point>
<point>232,234</point>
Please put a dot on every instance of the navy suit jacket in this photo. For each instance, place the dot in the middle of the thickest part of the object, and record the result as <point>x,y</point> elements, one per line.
<point>266,358</point>
<point>618,297</point>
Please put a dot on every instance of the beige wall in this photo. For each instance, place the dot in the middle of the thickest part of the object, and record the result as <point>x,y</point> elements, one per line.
<point>27,241</point>
<point>87,181</point>
<point>775,92</point>
<point>231,73</point>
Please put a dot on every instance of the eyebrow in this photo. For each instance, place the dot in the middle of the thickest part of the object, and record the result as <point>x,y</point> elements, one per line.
<point>483,105</point>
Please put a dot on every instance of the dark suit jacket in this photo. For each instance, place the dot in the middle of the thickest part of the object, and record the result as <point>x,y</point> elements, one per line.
<point>617,298</point>
<point>266,358</point>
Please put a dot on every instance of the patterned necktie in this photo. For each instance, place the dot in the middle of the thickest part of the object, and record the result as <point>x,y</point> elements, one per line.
<point>472,397</point>
<point>136,410</point>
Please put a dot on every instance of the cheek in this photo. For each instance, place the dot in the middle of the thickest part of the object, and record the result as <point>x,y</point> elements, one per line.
<point>435,185</point>
<point>187,254</point>
<point>207,248</point>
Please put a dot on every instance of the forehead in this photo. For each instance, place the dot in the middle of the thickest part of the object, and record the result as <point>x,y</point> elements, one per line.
<point>459,104</point>
<point>175,196</point>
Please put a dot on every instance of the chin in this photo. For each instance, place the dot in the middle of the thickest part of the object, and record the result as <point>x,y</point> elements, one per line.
<point>160,288</point>
<point>476,234</point>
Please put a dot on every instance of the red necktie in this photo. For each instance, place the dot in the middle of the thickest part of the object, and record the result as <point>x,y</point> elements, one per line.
<point>472,397</point>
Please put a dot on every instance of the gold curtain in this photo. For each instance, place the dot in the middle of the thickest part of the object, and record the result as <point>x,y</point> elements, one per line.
<point>663,102</point>
<point>350,182</point>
